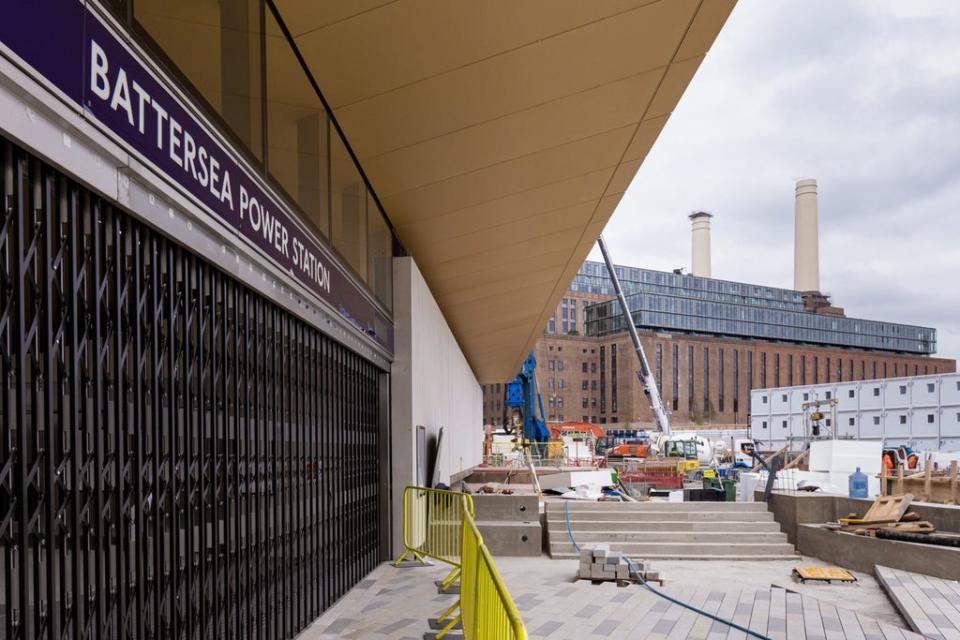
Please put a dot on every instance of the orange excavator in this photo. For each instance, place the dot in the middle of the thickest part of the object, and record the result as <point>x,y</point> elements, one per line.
<point>628,450</point>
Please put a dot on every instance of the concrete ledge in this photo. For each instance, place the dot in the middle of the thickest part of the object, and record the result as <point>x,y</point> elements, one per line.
<point>793,510</point>
<point>862,553</point>
<point>515,508</point>
<point>511,538</point>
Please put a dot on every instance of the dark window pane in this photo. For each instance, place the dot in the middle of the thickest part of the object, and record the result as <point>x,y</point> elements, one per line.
<point>380,255</point>
<point>348,219</point>
<point>297,131</point>
<point>216,46</point>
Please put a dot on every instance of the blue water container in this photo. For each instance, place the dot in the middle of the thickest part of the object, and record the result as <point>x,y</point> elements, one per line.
<point>858,484</point>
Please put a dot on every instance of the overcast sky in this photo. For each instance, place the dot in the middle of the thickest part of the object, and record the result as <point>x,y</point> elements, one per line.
<point>862,95</point>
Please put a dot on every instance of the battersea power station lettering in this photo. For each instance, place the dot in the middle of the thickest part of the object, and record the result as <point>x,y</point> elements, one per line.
<point>201,164</point>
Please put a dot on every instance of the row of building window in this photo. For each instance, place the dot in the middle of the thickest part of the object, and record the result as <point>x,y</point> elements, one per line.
<point>568,317</point>
<point>902,419</point>
<point>931,387</point>
<point>673,313</point>
<point>593,419</point>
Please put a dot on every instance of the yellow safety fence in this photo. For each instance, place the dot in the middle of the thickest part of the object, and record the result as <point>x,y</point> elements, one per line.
<point>486,610</point>
<point>432,527</point>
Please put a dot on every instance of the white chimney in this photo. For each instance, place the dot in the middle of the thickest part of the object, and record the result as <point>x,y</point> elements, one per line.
<point>806,252</point>
<point>700,265</point>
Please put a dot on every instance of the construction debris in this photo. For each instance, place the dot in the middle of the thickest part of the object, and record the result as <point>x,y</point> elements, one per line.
<point>598,562</point>
<point>883,509</point>
<point>932,485</point>
<point>491,488</point>
<point>887,515</point>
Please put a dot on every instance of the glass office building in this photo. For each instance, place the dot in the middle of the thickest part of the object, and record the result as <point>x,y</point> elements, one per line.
<point>662,301</point>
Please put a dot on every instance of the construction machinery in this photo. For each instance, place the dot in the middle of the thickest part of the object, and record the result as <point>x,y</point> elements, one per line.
<point>523,396</point>
<point>646,376</point>
<point>629,449</point>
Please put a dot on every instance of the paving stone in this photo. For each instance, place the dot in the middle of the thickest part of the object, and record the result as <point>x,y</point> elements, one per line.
<point>395,626</point>
<point>547,628</point>
<point>606,627</point>
<point>339,625</point>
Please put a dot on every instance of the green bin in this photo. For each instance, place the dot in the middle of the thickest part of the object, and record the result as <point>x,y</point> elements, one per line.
<point>730,490</point>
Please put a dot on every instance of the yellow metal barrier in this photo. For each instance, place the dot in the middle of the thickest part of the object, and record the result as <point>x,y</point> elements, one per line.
<point>432,526</point>
<point>487,611</point>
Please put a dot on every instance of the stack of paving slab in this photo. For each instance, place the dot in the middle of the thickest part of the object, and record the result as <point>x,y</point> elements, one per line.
<point>598,562</point>
<point>669,530</point>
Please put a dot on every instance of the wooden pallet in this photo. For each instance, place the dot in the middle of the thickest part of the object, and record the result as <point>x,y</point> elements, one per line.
<point>823,574</point>
<point>883,509</point>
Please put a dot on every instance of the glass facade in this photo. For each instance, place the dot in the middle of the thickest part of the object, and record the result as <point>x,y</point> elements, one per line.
<point>237,60</point>
<point>683,303</point>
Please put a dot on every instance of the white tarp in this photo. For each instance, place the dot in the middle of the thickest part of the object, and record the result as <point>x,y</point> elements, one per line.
<point>569,479</point>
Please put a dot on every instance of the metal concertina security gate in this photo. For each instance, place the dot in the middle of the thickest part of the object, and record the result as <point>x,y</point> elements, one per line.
<point>179,456</point>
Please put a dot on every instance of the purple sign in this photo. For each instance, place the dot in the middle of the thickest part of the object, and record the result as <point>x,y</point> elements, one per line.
<point>75,50</point>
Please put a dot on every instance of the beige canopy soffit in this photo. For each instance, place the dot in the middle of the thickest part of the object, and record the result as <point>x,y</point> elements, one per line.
<point>500,135</point>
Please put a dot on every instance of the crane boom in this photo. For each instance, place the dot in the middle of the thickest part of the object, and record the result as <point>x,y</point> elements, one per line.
<point>646,378</point>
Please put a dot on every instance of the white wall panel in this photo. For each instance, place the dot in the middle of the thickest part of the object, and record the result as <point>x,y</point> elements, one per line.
<point>896,393</point>
<point>780,401</point>
<point>432,385</point>
<point>926,393</point>
<point>950,390</point>
<point>871,394</point>
<point>871,424</point>
<point>925,422</point>
<point>846,424</point>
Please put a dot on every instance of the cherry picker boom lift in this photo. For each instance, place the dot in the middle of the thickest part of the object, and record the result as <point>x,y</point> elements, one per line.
<point>646,377</point>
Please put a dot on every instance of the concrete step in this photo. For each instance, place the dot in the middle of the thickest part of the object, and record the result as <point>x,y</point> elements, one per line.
<point>560,524</point>
<point>659,516</point>
<point>687,550</point>
<point>699,507</point>
<point>671,537</point>
<point>571,555</point>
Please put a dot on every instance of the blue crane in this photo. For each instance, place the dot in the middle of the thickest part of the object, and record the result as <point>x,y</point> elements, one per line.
<point>524,395</point>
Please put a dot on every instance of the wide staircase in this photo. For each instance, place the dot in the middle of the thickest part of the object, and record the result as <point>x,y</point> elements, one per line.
<point>670,530</point>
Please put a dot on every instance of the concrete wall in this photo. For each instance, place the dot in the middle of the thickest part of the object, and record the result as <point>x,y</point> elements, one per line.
<point>793,510</point>
<point>798,516</point>
<point>432,385</point>
<point>861,553</point>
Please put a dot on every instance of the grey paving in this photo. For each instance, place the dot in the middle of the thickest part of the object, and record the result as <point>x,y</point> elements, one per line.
<point>555,606</point>
<point>930,606</point>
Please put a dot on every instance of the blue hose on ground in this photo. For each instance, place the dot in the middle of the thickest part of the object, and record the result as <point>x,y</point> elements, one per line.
<point>635,572</point>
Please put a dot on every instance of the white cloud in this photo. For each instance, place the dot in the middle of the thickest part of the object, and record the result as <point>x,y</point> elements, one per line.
<point>862,95</point>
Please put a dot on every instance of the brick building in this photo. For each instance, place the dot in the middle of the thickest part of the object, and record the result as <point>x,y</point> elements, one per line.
<point>709,343</point>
